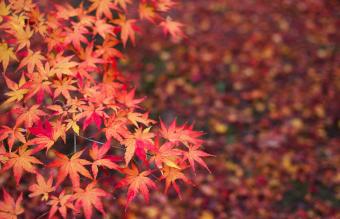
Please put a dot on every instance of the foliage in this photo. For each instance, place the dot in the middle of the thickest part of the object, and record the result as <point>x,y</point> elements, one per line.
<point>71,121</point>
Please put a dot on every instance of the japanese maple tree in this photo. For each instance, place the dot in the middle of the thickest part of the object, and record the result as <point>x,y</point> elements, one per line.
<point>72,120</point>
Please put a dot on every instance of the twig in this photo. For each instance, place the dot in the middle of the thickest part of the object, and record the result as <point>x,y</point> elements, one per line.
<point>74,143</point>
<point>99,142</point>
<point>42,215</point>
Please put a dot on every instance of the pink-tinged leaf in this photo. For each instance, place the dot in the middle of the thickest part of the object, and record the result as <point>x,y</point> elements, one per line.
<point>71,167</point>
<point>99,158</point>
<point>21,160</point>
<point>90,197</point>
<point>9,208</point>
<point>194,154</point>
<point>136,182</point>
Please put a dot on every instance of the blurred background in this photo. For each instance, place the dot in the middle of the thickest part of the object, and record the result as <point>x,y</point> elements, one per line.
<point>262,79</point>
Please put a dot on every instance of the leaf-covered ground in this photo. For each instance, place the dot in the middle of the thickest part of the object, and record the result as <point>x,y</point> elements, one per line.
<point>262,78</point>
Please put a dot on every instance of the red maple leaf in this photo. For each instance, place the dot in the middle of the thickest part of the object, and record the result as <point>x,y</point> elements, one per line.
<point>9,208</point>
<point>71,167</point>
<point>99,159</point>
<point>61,204</point>
<point>195,155</point>
<point>21,160</point>
<point>137,182</point>
<point>88,197</point>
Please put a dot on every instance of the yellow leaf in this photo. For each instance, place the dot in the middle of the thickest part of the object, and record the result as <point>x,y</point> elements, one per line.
<point>6,53</point>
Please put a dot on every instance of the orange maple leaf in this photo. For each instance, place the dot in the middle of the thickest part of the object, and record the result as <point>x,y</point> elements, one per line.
<point>184,133</point>
<point>71,167</point>
<point>76,35</point>
<point>42,187</point>
<point>102,7</point>
<point>122,3</point>
<point>32,60</point>
<point>17,90</point>
<point>147,12</point>
<point>12,134</point>
<point>21,160</point>
<point>30,116</point>
<point>128,99</point>
<point>88,197</point>
<point>6,54</point>
<point>142,118</point>
<point>166,154</point>
<point>99,159</point>
<point>137,182</point>
<point>195,155</point>
<point>128,28</point>
<point>102,28</point>
<point>61,204</point>
<point>63,86</point>
<point>116,127</point>
<point>138,143</point>
<point>10,209</point>
<point>173,28</point>
<point>171,175</point>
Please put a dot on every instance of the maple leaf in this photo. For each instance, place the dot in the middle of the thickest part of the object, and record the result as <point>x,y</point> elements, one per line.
<point>184,134</point>
<point>6,54</point>
<point>122,3</point>
<point>128,29</point>
<point>137,182</point>
<point>147,12</point>
<point>31,60</point>
<point>72,123</point>
<point>71,167</point>
<point>142,118</point>
<point>12,134</point>
<point>39,84</point>
<point>44,136</point>
<point>10,209</point>
<point>102,28</point>
<point>21,160</point>
<point>76,35</point>
<point>88,197</point>
<point>102,7</point>
<point>38,21</point>
<point>92,114</point>
<point>16,26</point>
<point>90,58</point>
<point>4,10</point>
<point>30,116</point>
<point>99,159</point>
<point>137,143</point>
<point>195,155</point>
<point>166,154</point>
<point>116,127</point>
<point>127,98</point>
<point>63,86</point>
<point>170,175</point>
<point>165,5</point>
<point>173,28</point>
<point>3,154</point>
<point>42,187</point>
<point>66,11</point>
<point>22,5</point>
<point>61,204</point>
<point>63,65</point>
<point>17,90</point>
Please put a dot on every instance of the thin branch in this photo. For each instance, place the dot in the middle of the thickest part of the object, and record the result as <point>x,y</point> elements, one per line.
<point>74,143</point>
<point>42,215</point>
<point>99,142</point>
<point>90,139</point>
